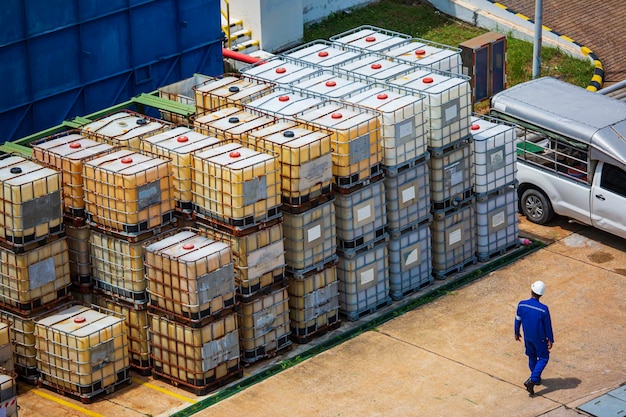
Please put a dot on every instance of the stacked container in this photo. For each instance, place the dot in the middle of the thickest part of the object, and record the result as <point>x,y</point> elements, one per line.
<point>219,92</point>
<point>193,324</point>
<point>66,153</point>
<point>178,145</point>
<point>34,255</point>
<point>448,104</point>
<point>495,186</point>
<point>329,84</point>
<point>280,70</point>
<point>124,129</point>
<point>283,102</point>
<point>231,122</point>
<point>129,199</point>
<point>370,38</point>
<point>421,52</point>
<point>82,352</point>
<point>359,202</point>
<point>7,361</point>
<point>322,53</point>
<point>305,159</point>
<point>8,382</point>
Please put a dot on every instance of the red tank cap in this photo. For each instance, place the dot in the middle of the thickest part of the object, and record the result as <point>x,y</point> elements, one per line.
<point>322,54</point>
<point>330,83</point>
<point>127,160</point>
<point>79,319</point>
<point>188,246</point>
<point>182,139</point>
<point>376,66</point>
<point>420,52</point>
<point>75,145</point>
<point>281,70</point>
<point>370,39</point>
<point>336,115</point>
<point>234,154</point>
<point>382,96</point>
<point>283,98</point>
<point>475,127</point>
<point>428,80</point>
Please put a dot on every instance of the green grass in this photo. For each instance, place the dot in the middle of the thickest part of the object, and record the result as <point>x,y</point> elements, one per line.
<point>423,21</point>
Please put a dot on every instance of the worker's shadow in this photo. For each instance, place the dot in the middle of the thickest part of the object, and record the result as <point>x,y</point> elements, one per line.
<point>556,384</point>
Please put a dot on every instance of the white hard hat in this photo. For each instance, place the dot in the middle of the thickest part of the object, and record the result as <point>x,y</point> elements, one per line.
<point>538,287</point>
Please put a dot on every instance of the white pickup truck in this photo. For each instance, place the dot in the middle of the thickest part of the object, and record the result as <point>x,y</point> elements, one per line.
<point>571,152</point>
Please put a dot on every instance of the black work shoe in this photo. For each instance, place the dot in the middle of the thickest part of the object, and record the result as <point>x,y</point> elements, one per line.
<point>530,386</point>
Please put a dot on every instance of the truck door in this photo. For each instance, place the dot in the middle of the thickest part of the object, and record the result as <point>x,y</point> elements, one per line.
<point>608,199</point>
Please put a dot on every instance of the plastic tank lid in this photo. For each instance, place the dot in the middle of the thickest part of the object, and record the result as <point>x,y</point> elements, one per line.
<point>234,154</point>
<point>127,160</point>
<point>370,39</point>
<point>182,139</point>
<point>233,89</point>
<point>330,84</point>
<point>75,145</point>
<point>79,319</point>
<point>188,246</point>
<point>322,54</point>
<point>475,126</point>
<point>377,66</point>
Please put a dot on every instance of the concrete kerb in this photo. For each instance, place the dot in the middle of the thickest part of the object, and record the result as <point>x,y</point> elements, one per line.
<point>492,15</point>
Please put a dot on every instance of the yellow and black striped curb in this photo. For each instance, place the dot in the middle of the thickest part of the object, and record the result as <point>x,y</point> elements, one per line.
<point>598,73</point>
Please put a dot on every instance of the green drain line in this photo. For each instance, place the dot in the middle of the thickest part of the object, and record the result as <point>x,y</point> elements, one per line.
<point>370,325</point>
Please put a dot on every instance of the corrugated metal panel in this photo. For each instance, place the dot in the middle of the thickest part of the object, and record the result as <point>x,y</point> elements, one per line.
<point>61,58</point>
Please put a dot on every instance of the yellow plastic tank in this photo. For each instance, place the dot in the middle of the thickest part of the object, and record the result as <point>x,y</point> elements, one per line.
<point>314,301</point>
<point>23,342</point>
<point>34,278</point>
<point>65,153</point>
<point>264,327</point>
<point>236,184</point>
<point>118,266</point>
<point>125,129</point>
<point>190,275</point>
<point>305,156</point>
<point>128,191</point>
<point>357,149</point>
<point>136,328</point>
<point>177,145</point>
<point>258,257</point>
<point>229,89</point>
<point>31,205</point>
<point>79,243</point>
<point>231,122</point>
<point>80,349</point>
<point>195,357</point>
<point>6,349</point>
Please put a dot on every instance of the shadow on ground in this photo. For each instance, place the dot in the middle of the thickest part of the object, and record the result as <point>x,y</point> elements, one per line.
<point>557,384</point>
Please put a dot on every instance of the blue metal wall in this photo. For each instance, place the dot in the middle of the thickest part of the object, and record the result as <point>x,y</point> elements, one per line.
<point>64,58</point>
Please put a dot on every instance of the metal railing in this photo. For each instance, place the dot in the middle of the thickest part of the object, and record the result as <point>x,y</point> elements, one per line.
<point>225,11</point>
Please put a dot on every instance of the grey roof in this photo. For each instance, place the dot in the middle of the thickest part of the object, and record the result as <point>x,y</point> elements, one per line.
<point>570,111</point>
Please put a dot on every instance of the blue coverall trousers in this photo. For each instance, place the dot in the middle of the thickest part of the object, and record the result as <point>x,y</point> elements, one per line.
<point>538,357</point>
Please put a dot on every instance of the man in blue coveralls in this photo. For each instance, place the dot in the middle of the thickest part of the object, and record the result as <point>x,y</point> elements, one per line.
<point>534,318</point>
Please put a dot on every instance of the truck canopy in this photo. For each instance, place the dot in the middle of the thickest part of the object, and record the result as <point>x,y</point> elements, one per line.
<point>570,111</point>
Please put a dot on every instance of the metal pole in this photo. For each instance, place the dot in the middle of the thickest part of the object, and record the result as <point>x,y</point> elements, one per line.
<point>537,43</point>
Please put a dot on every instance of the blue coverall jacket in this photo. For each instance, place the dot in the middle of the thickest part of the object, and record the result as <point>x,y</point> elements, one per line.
<point>534,317</point>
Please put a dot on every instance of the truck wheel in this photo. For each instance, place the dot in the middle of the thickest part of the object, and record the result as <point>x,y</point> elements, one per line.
<point>536,206</point>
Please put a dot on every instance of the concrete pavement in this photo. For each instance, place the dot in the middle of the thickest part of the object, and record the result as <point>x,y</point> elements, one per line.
<point>457,355</point>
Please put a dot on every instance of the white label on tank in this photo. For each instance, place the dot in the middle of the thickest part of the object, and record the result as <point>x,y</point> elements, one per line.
<point>454,174</point>
<point>219,351</point>
<point>264,321</point>
<point>451,113</point>
<point>148,195</point>
<point>215,283</point>
<point>265,259</point>
<point>454,236</point>
<point>408,194</point>
<point>254,190</point>
<point>102,354</point>
<point>364,213</point>
<point>498,219</point>
<point>367,276</point>
<point>405,131</point>
<point>41,273</point>
<point>314,233</point>
<point>360,149</point>
<point>495,159</point>
<point>411,256</point>
<point>316,171</point>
